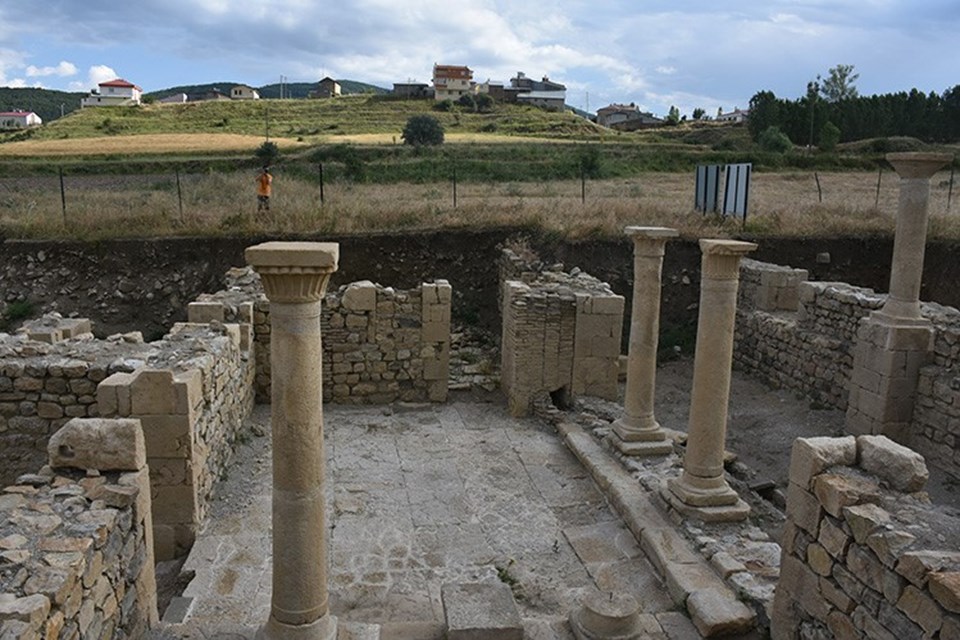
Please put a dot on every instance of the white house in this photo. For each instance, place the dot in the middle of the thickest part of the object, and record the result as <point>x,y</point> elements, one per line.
<point>243,92</point>
<point>19,119</point>
<point>451,81</point>
<point>115,93</point>
<point>734,116</point>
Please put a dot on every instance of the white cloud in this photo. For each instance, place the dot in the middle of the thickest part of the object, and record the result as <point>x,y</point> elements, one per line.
<point>101,73</point>
<point>666,70</point>
<point>64,69</point>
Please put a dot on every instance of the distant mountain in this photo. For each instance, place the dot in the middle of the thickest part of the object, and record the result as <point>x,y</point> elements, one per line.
<point>44,102</point>
<point>290,89</point>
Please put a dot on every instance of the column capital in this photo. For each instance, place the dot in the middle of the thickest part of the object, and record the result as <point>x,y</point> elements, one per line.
<point>721,258</point>
<point>918,165</point>
<point>294,272</point>
<point>652,233</point>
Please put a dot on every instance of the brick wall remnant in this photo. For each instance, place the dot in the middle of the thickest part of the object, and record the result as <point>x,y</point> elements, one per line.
<point>862,559</point>
<point>76,559</point>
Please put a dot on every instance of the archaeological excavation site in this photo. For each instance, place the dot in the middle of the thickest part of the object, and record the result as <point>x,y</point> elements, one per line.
<point>490,434</point>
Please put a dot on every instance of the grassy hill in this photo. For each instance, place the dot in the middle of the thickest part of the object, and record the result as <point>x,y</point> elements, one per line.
<point>290,89</point>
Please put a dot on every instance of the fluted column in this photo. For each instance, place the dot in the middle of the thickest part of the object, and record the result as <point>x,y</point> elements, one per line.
<point>637,432</point>
<point>295,276</point>
<point>702,491</point>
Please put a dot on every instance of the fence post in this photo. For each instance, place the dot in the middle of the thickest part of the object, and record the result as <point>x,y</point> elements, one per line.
<point>454,185</point>
<point>63,198</point>
<point>320,167</point>
<point>816,177</point>
<point>583,185</point>
<point>876,204</point>
<point>953,170</point>
<point>179,194</point>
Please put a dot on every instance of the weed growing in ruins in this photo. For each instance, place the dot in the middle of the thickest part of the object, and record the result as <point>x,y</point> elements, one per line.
<point>15,312</point>
<point>507,578</point>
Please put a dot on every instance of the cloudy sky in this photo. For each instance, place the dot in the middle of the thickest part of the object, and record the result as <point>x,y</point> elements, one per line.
<point>652,52</point>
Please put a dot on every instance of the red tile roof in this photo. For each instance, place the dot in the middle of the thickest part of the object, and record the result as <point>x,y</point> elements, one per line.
<point>120,82</point>
<point>16,113</point>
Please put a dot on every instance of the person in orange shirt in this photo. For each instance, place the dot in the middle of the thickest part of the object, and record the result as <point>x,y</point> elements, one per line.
<point>264,183</point>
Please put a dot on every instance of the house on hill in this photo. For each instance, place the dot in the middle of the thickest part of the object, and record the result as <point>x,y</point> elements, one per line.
<point>114,93</point>
<point>734,116</point>
<point>243,92</point>
<point>326,88</point>
<point>451,81</point>
<point>177,98</point>
<point>19,119</point>
<point>626,117</point>
<point>542,93</point>
<point>412,90</point>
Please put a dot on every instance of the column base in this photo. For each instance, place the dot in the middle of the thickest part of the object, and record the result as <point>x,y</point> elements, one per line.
<point>324,628</point>
<point>631,440</point>
<point>719,504</point>
<point>607,616</point>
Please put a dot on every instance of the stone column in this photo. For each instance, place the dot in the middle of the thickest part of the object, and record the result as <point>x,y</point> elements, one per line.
<point>702,491</point>
<point>295,276</point>
<point>637,431</point>
<point>895,341</point>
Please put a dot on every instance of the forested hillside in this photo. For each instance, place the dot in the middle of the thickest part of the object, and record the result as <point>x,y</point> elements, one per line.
<point>45,103</point>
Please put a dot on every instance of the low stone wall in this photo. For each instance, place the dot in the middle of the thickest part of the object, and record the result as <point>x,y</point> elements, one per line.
<point>862,553</point>
<point>189,435</point>
<point>811,349</point>
<point>76,555</point>
<point>380,344</point>
<point>561,333</point>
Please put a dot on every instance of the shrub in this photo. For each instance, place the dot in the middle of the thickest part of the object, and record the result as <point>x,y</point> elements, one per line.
<point>443,105</point>
<point>829,136</point>
<point>267,153</point>
<point>423,130</point>
<point>772,139</point>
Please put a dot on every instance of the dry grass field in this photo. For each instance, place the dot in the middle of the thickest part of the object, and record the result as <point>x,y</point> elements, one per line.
<point>146,144</point>
<point>224,203</point>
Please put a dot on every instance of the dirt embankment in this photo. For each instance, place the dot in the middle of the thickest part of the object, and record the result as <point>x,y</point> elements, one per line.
<point>127,285</point>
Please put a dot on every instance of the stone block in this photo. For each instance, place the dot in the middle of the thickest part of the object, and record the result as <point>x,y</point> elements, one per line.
<point>833,538</point>
<point>945,587</point>
<point>800,584</point>
<point>360,296</point>
<point>842,627</point>
<point>31,610</point>
<point>98,443</point>
<point>903,468</point>
<point>921,608</point>
<point>113,395</point>
<point>478,611</point>
<point>167,436</point>
<point>888,545</point>
<point>205,312</point>
<point>188,392</point>
<point>174,504</point>
<point>810,456</point>
<point>819,560</point>
<point>916,566</point>
<point>838,491</point>
<point>866,567</point>
<point>685,579</point>
<point>152,393</point>
<point>864,519</point>
<point>663,545</point>
<point>718,613</point>
<point>836,596</point>
<point>803,509</point>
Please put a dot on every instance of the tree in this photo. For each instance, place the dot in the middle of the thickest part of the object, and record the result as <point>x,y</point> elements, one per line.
<point>829,136</point>
<point>698,113</point>
<point>673,116</point>
<point>813,93</point>
<point>267,153</point>
<point>772,139</point>
<point>839,84</point>
<point>764,113</point>
<point>422,130</point>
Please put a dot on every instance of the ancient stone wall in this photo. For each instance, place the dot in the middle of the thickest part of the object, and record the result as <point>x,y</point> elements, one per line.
<point>76,555</point>
<point>561,333</point>
<point>811,349</point>
<point>864,556</point>
<point>189,438</point>
<point>380,344</point>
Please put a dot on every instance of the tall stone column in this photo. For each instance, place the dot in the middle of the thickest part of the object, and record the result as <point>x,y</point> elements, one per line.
<point>702,491</point>
<point>895,341</point>
<point>637,431</point>
<point>295,276</point>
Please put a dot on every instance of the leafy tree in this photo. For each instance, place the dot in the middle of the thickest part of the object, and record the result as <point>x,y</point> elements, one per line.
<point>813,94</point>
<point>267,153</point>
<point>444,105</point>
<point>468,102</point>
<point>839,84</point>
<point>829,136</point>
<point>772,139</point>
<point>423,130</point>
<point>673,116</point>
<point>484,102</point>
<point>698,113</point>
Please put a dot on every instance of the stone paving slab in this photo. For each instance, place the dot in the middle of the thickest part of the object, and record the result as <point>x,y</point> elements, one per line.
<point>419,497</point>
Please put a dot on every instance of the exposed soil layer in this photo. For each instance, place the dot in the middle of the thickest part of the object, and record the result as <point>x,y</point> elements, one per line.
<point>127,285</point>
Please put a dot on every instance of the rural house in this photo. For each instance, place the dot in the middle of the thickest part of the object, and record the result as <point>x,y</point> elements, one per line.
<point>412,90</point>
<point>734,116</point>
<point>243,92</point>
<point>326,88</point>
<point>626,117</point>
<point>114,93</point>
<point>451,81</point>
<point>19,119</point>
<point>543,93</point>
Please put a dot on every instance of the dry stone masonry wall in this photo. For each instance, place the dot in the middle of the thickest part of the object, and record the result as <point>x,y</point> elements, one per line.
<point>810,347</point>
<point>76,555</point>
<point>864,553</point>
<point>380,344</point>
<point>561,334</point>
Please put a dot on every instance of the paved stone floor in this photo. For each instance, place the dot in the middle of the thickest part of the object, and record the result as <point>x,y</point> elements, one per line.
<point>420,496</point>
